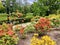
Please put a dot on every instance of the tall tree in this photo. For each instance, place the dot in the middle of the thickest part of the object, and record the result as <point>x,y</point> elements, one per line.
<point>45,7</point>
<point>26,7</point>
<point>2,8</point>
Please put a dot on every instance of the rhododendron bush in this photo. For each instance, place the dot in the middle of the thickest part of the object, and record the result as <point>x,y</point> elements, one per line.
<point>43,24</point>
<point>7,36</point>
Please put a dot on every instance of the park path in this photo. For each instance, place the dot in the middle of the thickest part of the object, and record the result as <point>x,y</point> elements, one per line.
<point>23,24</point>
<point>55,35</point>
<point>25,41</point>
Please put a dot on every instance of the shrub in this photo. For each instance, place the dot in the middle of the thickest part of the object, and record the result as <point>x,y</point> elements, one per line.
<point>55,20</point>
<point>7,35</point>
<point>43,25</point>
<point>45,40</point>
<point>35,19</point>
<point>2,9</point>
<point>29,15</point>
<point>29,28</point>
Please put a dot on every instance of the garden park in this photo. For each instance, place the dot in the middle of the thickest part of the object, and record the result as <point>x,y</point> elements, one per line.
<point>29,22</point>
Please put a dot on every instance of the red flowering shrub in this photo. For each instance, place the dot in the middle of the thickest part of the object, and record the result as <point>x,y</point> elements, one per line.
<point>22,30</point>
<point>43,24</point>
<point>1,32</point>
<point>10,32</point>
<point>7,36</point>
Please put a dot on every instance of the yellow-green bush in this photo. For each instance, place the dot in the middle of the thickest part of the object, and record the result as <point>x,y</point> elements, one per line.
<point>45,40</point>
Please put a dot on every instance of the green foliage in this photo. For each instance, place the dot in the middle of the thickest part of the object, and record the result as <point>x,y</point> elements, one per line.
<point>3,16</point>
<point>9,40</point>
<point>55,22</point>
<point>42,7</point>
<point>35,19</point>
<point>29,28</point>
<point>14,5</point>
<point>8,36</point>
<point>26,9</point>
<point>29,15</point>
<point>2,9</point>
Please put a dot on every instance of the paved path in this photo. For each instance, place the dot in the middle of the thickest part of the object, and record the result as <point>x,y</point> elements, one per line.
<point>55,35</point>
<point>23,24</point>
<point>25,41</point>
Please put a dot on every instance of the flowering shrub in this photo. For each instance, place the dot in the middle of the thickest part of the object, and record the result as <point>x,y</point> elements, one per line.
<point>43,24</point>
<point>7,36</point>
<point>29,28</point>
<point>35,18</point>
<point>53,16</point>
<point>17,28</point>
<point>22,34</point>
<point>45,40</point>
<point>18,14</point>
<point>22,30</point>
<point>55,22</point>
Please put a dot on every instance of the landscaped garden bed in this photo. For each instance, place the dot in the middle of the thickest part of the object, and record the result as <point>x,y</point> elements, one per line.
<point>44,31</point>
<point>7,35</point>
<point>42,28</point>
<point>29,22</point>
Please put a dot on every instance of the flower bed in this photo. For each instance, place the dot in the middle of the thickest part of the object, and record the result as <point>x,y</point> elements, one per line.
<point>45,40</point>
<point>7,35</point>
<point>42,26</point>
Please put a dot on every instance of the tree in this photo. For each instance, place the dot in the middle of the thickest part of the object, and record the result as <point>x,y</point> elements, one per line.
<point>2,9</point>
<point>12,8</point>
<point>45,7</point>
<point>26,7</point>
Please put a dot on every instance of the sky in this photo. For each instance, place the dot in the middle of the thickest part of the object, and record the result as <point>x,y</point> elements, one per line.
<point>30,1</point>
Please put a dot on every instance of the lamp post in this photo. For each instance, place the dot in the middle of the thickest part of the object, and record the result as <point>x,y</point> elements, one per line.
<point>7,8</point>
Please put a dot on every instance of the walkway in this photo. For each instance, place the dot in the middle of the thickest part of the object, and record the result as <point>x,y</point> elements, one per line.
<point>55,35</point>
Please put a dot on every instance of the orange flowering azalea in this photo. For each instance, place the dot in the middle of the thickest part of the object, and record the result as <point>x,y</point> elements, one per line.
<point>42,23</point>
<point>9,28</point>
<point>14,36</point>
<point>10,32</point>
<point>1,32</point>
<point>22,30</point>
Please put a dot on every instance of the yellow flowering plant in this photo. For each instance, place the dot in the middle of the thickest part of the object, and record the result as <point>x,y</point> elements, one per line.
<point>45,40</point>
